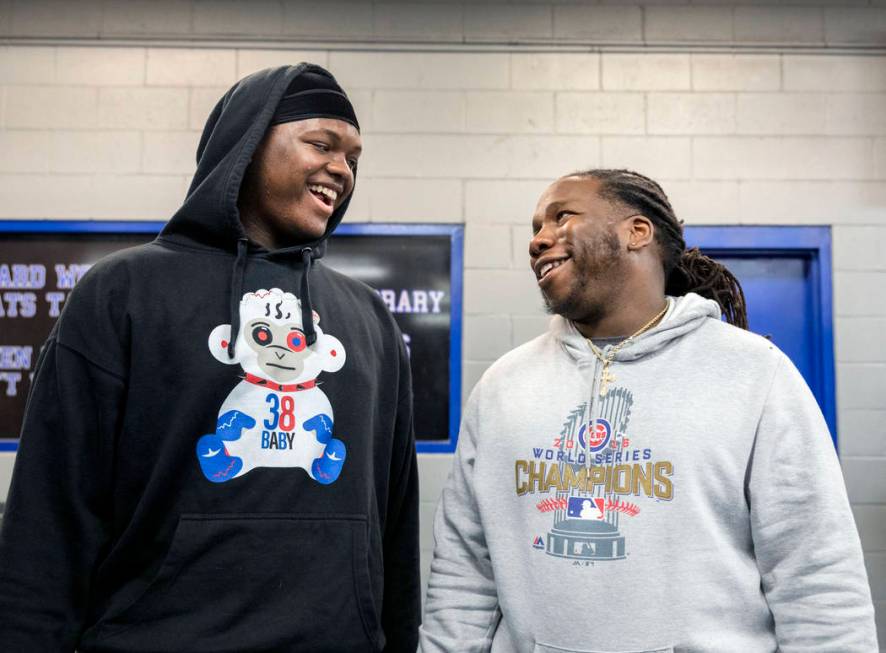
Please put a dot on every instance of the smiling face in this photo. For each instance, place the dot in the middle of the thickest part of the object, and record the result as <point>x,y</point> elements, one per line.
<point>577,250</point>
<point>300,174</point>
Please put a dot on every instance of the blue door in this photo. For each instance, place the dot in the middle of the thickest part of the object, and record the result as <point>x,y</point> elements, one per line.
<point>785,274</point>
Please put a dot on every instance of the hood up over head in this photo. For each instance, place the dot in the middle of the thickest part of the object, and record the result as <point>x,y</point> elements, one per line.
<point>209,216</point>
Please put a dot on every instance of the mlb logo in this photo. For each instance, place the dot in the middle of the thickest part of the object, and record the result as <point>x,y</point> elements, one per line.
<point>538,543</point>
<point>590,508</point>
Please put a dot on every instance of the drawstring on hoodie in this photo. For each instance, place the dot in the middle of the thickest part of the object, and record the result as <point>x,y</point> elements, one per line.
<point>237,275</point>
<point>307,309</point>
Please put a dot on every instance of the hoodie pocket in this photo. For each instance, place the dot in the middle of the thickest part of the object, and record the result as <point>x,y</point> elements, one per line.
<point>547,648</point>
<point>255,583</point>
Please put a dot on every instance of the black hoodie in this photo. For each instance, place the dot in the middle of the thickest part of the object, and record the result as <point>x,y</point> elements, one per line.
<point>174,492</point>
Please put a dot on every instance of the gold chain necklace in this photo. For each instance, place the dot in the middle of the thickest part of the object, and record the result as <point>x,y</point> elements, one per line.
<point>606,376</point>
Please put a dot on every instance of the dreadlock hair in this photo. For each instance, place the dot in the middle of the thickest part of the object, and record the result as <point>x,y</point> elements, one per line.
<point>685,270</point>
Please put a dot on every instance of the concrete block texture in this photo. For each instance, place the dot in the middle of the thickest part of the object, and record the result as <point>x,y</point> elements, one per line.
<point>146,18</point>
<point>250,61</point>
<point>876,567</point>
<point>855,25</point>
<point>859,248</point>
<point>691,113</point>
<point>138,197</point>
<point>834,74</point>
<point>39,196</point>
<point>864,480</point>
<point>61,107</point>
<point>418,111</point>
<point>333,20</point>
<point>22,65</point>
<point>781,25</point>
<point>659,157</point>
<point>508,201</point>
<point>811,202</point>
<point>84,152</point>
<point>783,158</point>
<point>184,67</point>
<point>693,24</point>
<point>487,246</point>
<point>56,18</point>
<point>646,72</point>
<point>860,385</point>
<point>855,114</point>
<point>859,340</point>
<point>226,17</point>
<point>781,113</point>
<point>487,337</point>
<point>170,152</point>
<point>201,102</point>
<point>91,66</point>
<point>25,151</point>
<point>871,522</point>
<point>577,71</point>
<point>598,24</point>
<point>501,291</point>
<point>736,72</point>
<point>413,200</point>
<point>413,70</point>
<point>426,21</point>
<point>478,156</point>
<point>862,432</point>
<point>7,460</point>
<point>704,202</point>
<point>600,113</point>
<point>487,22</point>
<point>143,108</point>
<point>858,294</point>
<point>512,112</point>
<point>880,158</point>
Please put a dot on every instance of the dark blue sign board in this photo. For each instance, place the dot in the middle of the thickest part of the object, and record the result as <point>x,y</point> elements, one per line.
<point>416,269</point>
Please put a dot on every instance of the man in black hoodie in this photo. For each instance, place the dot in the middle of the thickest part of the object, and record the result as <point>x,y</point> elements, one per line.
<point>202,466</point>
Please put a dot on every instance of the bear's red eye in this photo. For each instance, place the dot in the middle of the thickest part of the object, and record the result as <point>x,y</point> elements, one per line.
<point>262,335</point>
<point>296,340</point>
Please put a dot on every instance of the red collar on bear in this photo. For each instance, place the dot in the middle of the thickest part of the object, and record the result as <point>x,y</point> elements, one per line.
<point>292,387</point>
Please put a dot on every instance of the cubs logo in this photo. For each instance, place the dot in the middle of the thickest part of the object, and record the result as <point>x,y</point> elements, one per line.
<point>598,437</point>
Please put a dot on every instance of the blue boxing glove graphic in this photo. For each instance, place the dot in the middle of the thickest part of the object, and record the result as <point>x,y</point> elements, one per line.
<point>215,462</point>
<point>327,467</point>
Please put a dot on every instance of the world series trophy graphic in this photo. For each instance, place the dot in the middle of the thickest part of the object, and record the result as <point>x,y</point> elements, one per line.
<point>584,528</point>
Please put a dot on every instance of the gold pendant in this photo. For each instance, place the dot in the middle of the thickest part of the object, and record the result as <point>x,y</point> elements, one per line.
<point>605,379</point>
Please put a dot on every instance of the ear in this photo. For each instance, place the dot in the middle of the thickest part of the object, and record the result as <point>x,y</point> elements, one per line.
<point>641,232</point>
<point>219,341</point>
<point>331,353</point>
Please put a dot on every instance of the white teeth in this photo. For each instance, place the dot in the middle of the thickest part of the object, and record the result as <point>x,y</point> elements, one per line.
<point>547,267</point>
<point>328,192</point>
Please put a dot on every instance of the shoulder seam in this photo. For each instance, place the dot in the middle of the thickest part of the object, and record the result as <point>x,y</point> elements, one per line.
<point>116,375</point>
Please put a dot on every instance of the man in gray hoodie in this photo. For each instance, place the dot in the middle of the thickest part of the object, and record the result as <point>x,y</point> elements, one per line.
<point>643,477</point>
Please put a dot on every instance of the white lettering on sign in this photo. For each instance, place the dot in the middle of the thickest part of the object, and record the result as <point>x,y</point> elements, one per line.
<point>11,379</point>
<point>14,357</point>
<point>68,275</point>
<point>22,277</point>
<point>412,301</point>
<point>18,304</point>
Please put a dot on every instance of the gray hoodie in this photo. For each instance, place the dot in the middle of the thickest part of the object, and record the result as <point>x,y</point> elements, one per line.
<point>697,506</point>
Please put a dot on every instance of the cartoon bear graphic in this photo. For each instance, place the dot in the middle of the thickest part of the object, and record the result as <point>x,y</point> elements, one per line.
<point>277,416</point>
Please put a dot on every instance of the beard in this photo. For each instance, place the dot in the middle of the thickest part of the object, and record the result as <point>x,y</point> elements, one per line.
<point>600,262</point>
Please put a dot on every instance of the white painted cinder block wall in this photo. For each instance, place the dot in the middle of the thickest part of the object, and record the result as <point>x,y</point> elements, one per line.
<point>747,114</point>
